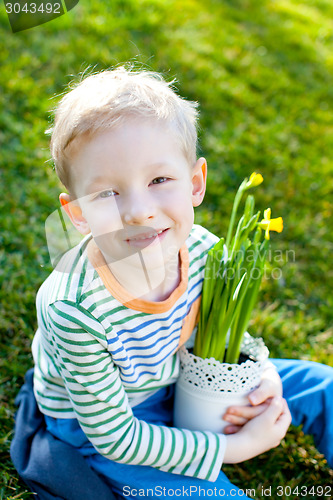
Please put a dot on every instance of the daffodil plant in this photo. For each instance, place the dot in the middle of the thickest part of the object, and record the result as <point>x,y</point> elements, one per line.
<point>233,274</point>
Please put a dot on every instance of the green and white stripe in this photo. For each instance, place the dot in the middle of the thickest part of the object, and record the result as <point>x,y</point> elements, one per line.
<point>96,359</point>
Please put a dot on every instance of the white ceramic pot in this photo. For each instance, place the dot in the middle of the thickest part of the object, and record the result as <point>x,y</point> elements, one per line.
<point>206,388</point>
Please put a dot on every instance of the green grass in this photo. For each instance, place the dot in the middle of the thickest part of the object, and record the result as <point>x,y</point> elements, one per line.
<point>262,72</point>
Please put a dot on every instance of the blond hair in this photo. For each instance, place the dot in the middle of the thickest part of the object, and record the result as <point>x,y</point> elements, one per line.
<point>105,100</point>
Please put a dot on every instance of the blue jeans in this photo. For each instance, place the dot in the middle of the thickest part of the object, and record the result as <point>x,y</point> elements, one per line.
<point>308,388</point>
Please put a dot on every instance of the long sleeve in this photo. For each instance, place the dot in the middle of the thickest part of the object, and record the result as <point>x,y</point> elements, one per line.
<point>76,342</point>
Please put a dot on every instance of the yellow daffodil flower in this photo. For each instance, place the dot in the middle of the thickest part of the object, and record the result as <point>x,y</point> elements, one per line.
<point>271,224</point>
<point>254,180</point>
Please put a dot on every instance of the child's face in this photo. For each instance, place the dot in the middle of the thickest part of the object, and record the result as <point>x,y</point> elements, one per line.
<point>136,190</point>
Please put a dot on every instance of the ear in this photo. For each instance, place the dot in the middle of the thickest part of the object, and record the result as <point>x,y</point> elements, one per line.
<point>74,212</point>
<point>199,176</point>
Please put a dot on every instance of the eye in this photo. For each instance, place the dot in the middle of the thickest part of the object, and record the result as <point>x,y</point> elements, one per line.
<point>107,193</point>
<point>159,180</point>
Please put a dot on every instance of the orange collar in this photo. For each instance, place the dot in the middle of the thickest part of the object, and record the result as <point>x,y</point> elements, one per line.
<point>96,258</point>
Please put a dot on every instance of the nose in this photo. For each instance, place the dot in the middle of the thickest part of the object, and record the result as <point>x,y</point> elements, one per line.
<point>137,209</point>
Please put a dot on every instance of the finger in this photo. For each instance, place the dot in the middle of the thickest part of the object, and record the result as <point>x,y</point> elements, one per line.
<point>282,423</point>
<point>274,409</point>
<point>239,415</point>
<point>285,415</point>
<point>232,429</point>
<point>264,392</point>
<point>235,419</point>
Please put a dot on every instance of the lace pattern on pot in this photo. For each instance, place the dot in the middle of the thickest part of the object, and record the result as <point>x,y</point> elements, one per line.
<point>212,376</point>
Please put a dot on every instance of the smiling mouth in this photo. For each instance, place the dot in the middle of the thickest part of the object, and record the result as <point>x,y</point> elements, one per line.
<point>146,237</point>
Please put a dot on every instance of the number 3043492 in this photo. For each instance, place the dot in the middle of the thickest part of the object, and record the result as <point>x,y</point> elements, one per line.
<point>305,491</point>
<point>32,8</point>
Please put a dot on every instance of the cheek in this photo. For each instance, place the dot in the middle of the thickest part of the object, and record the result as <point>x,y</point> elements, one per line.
<point>176,199</point>
<point>103,217</point>
<point>182,197</point>
<point>180,209</point>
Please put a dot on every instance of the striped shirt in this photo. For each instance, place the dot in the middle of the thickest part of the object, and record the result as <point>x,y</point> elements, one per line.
<point>99,352</point>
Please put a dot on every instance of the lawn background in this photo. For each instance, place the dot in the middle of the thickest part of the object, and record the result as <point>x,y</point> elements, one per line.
<point>262,71</point>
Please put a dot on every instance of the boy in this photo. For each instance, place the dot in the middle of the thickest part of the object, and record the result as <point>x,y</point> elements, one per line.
<point>117,307</point>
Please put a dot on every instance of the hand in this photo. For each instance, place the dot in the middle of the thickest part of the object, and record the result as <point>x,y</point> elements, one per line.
<point>270,386</point>
<point>259,434</point>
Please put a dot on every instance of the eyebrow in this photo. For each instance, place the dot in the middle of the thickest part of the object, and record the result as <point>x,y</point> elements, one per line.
<point>160,165</point>
<point>96,183</point>
<point>100,180</point>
